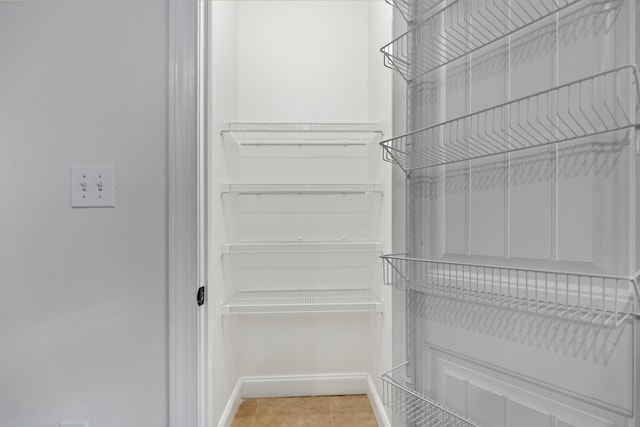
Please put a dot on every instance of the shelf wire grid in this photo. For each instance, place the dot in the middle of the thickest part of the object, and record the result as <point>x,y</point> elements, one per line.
<point>303,133</point>
<point>302,301</point>
<point>302,188</point>
<point>412,11</point>
<point>594,105</point>
<point>603,300</point>
<point>459,29</point>
<point>415,408</point>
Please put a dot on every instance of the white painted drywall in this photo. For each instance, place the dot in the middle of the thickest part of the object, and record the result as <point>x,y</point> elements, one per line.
<point>83,292</point>
<point>303,61</point>
<point>380,85</point>
<point>223,104</point>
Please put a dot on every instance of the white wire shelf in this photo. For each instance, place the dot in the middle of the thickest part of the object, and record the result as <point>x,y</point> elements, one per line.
<point>303,133</point>
<point>301,188</point>
<point>598,299</point>
<point>598,104</point>
<point>302,301</point>
<point>462,27</point>
<point>415,408</point>
<point>413,10</point>
<point>299,247</point>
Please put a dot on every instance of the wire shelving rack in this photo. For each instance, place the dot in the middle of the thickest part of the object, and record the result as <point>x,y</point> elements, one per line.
<point>303,133</point>
<point>417,409</point>
<point>604,300</point>
<point>594,105</point>
<point>461,28</point>
<point>302,301</point>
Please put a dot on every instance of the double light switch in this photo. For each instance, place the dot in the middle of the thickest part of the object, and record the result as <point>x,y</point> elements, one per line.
<point>92,187</point>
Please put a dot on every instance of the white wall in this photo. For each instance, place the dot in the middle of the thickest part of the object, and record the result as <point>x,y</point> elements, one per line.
<point>223,107</point>
<point>380,85</point>
<point>83,292</point>
<point>303,61</point>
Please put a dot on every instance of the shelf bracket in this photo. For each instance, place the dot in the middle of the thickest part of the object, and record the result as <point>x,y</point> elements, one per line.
<point>225,248</point>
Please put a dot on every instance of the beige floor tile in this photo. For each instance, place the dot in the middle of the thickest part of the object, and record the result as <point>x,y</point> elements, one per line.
<point>317,420</point>
<point>353,419</point>
<point>315,411</point>
<point>276,407</point>
<point>314,404</point>
<point>247,408</point>
<point>272,401</point>
<point>279,420</point>
<point>349,403</point>
<point>243,422</point>
<point>246,414</point>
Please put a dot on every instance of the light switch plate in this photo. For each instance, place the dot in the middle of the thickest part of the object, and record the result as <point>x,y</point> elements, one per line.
<point>74,423</point>
<point>92,187</point>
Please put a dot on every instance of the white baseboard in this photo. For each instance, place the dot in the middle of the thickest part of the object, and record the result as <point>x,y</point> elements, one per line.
<point>232,406</point>
<point>304,385</point>
<point>376,404</point>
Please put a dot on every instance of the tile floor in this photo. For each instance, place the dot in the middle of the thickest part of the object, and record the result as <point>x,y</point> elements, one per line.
<point>316,411</point>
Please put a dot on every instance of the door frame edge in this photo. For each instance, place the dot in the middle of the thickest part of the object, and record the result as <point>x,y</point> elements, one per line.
<point>182,214</point>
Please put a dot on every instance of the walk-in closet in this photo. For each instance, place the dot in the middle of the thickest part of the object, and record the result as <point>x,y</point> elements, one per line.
<point>430,202</point>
